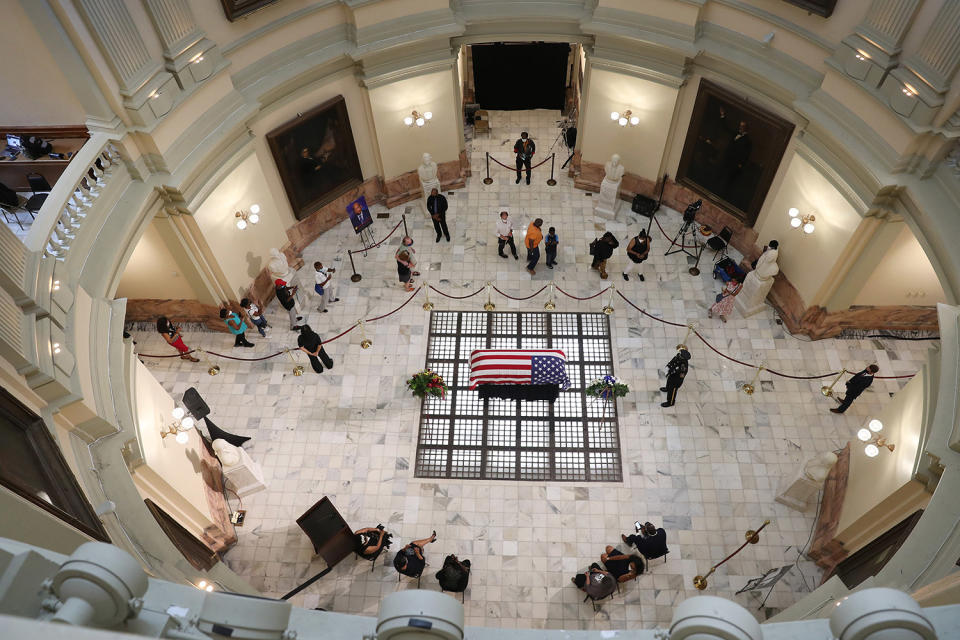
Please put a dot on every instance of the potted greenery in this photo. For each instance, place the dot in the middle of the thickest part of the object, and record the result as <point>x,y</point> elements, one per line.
<point>427,383</point>
<point>607,387</point>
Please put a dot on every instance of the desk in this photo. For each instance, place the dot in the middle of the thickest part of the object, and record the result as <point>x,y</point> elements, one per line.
<point>66,140</point>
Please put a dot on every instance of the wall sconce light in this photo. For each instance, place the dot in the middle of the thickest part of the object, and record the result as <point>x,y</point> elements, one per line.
<point>182,423</point>
<point>861,55</point>
<point>908,90</point>
<point>625,118</point>
<point>55,286</point>
<point>156,93</point>
<point>56,348</point>
<point>417,118</point>
<point>203,585</point>
<point>197,59</point>
<point>872,439</point>
<point>243,217</point>
<point>804,221</point>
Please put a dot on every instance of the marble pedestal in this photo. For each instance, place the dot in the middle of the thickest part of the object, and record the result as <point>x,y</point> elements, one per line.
<point>609,200</point>
<point>797,492</point>
<point>427,187</point>
<point>245,477</point>
<point>752,298</point>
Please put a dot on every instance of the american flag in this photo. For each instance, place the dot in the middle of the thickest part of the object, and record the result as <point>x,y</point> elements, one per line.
<point>518,366</point>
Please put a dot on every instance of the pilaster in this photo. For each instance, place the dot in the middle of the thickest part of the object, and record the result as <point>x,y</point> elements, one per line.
<point>187,54</point>
<point>873,49</point>
<point>148,91</point>
<point>916,89</point>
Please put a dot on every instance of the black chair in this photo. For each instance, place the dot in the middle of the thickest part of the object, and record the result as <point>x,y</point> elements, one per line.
<point>373,558</point>
<point>461,586</point>
<point>720,242</point>
<point>41,189</point>
<point>594,601</point>
<point>400,573</point>
<point>659,555</point>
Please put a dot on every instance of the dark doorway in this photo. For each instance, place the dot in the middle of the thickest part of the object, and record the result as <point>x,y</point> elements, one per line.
<point>874,556</point>
<point>511,76</point>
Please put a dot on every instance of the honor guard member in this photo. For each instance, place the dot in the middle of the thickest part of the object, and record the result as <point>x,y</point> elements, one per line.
<point>524,148</point>
<point>676,372</point>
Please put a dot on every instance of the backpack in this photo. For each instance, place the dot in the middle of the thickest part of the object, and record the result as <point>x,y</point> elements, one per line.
<point>593,246</point>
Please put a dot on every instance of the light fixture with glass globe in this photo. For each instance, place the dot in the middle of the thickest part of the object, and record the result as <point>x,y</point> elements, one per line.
<point>182,423</point>
<point>417,118</point>
<point>873,441</point>
<point>804,221</point>
<point>624,118</point>
<point>245,217</point>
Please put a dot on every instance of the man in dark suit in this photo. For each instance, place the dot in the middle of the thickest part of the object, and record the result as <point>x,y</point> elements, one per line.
<point>437,207</point>
<point>524,148</point>
<point>676,372</point>
<point>855,386</point>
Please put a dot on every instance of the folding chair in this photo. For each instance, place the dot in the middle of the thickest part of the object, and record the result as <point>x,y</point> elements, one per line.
<point>720,242</point>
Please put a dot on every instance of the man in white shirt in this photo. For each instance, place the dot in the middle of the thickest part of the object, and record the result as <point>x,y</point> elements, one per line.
<point>505,236</point>
<point>324,286</point>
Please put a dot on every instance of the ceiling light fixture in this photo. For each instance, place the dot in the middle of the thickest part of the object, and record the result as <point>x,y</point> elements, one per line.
<point>182,423</point>
<point>417,118</point>
<point>869,435</point>
<point>624,118</point>
<point>244,217</point>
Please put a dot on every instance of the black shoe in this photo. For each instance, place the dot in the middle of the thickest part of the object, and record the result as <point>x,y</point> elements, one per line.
<point>641,277</point>
<point>664,389</point>
<point>335,300</point>
<point>438,239</point>
<point>528,180</point>
<point>665,404</point>
<point>502,255</point>
<point>323,310</point>
<point>549,266</point>
<point>516,257</point>
<point>448,238</point>
<point>626,277</point>
<point>835,411</point>
<point>518,179</point>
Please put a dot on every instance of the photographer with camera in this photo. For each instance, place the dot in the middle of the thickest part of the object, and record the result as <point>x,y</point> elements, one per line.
<point>601,249</point>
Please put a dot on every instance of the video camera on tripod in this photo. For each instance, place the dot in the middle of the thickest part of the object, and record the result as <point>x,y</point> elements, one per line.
<point>691,211</point>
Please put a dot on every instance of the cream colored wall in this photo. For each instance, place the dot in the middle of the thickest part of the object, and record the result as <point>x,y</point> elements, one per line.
<point>871,480</point>
<point>153,272</point>
<point>401,147</point>
<point>640,147</point>
<point>26,522</point>
<point>171,475</point>
<point>807,259</point>
<point>307,98</point>
<point>903,276</point>
<point>386,10</point>
<point>242,254</point>
<point>31,72</point>
<point>845,17</point>
<point>667,9</point>
<point>883,121</point>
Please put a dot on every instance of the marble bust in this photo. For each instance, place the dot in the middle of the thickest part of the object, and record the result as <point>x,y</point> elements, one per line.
<point>817,469</point>
<point>613,169</point>
<point>800,490</point>
<point>279,267</point>
<point>767,266</point>
<point>228,454</point>
<point>427,170</point>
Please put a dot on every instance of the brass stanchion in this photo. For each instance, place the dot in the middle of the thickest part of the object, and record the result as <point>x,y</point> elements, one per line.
<point>749,388</point>
<point>751,536</point>
<point>365,342</point>
<point>690,329</point>
<point>828,391</point>
<point>297,369</point>
<point>427,305</point>
<point>551,304</point>
<point>489,306</point>
<point>213,369</point>
<point>608,308</point>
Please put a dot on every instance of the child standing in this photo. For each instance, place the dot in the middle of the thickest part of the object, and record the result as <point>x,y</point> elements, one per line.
<point>550,243</point>
<point>253,312</point>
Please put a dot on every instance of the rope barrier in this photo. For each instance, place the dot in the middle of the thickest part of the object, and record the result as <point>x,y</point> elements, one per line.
<point>538,292</point>
<point>514,169</point>
<point>376,244</point>
<point>682,246</point>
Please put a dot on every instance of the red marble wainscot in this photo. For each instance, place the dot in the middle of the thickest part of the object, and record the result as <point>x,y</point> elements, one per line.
<point>221,535</point>
<point>825,550</point>
<point>180,311</point>
<point>406,187</point>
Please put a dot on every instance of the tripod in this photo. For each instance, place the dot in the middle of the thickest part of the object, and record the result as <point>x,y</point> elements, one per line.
<point>681,246</point>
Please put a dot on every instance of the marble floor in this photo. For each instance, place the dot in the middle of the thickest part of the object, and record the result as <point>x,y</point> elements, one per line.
<point>706,469</point>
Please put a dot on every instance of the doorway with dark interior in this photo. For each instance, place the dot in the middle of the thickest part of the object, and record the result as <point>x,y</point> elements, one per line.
<point>511,76</point>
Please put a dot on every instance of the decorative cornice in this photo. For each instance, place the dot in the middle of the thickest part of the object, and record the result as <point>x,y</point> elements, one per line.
<point>783,23</point>
<point>400,31</point>
<point>634,26</point>
<point>250,36</point>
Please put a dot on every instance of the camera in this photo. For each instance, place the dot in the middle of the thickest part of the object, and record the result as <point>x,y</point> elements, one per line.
<point>691,211</point>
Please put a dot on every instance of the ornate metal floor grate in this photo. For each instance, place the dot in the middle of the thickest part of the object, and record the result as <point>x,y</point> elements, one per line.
<point>463,436</point>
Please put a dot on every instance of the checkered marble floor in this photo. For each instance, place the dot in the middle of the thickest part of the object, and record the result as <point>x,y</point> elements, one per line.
<point>706,469</point>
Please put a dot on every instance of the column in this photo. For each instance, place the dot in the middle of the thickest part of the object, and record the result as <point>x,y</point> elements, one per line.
<point>187,54</point>
<point>873,49</point>
<point>916,89</point>
<point>144,85</point>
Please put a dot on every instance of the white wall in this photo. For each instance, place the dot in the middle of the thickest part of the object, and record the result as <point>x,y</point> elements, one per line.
<point>401,147</point>
<point>640,147</point>
<point>903,272</point>
<point>153,272</point>
<point>242,254</point>
<point>806,260</point>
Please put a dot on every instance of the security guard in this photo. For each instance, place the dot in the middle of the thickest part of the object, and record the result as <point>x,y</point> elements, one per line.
<point>676,372</point>
<point>524,148</point>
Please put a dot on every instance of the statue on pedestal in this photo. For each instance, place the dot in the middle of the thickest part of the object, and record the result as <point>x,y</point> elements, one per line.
<point>609,200</point>
<point>758,282</point>
<point>280,270</point>
<point>428,177</point>
<point>797,492</point>
<point>243,475</point>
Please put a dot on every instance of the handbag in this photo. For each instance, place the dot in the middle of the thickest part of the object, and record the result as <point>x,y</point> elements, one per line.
<point>719,297</point>
<point>318,289</point>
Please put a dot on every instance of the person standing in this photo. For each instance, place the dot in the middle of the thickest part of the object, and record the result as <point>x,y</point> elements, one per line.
<point>406,262</point>
<point>602,250</point>
<point>324,286</point>
<point>724,302</point>
<point>637,251</point>
<point>171,333</point>
<point>285,296</point>
<point>676,372</point>
<point>524,148</point>
<point>236,326</point>
<point>532,242</point>
<point>855,386</point>
<point>310,343</point>
<point>550,246</point>
<point>437,206</point>
<point>256,317</point>
<point>505,235</point>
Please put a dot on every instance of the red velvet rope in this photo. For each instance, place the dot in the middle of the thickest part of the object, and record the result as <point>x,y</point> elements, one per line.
<point>524,169</point>
<point>683,246</point>
<point>377,244</point>
<point>675,324</point>
<point>532,295</point>
<point>387,315</point>
<point>447,295</point>
<point>570,295</point>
